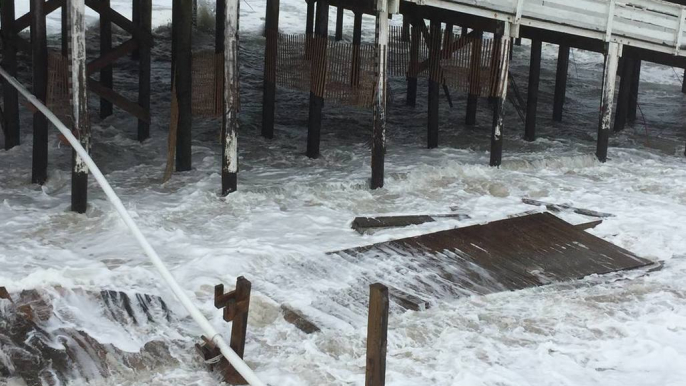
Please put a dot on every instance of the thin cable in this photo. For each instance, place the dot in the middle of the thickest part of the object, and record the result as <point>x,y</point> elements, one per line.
<point>199,318</point>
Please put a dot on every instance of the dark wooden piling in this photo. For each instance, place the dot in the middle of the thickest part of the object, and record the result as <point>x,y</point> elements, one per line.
<point>501,93</point>
<point>235,306</point>
<point>144,68</point>
<point>532,94</point>
<point>65,30</point>
<point>561,82</point>
<point>105,48</point>
<point>357,42</point>
<point>231,98</point>
<point>39,64</point>
<point>379,130</point>
<point>434,83</point>
<point>633,94</point>
<point>377,335</point>
<point>413,70</point>
<point>309,27</point>
<point>624,97</point>
<point>607,97</point>
<point>405,32</point>
<point>219,26</point>
<point>79,103</point>
<point>447,40</point>
<point>518,42</point>
<point>474,78</point>
<point>339,24</point>
<point>321,31</point>
<point>136,19</point>
<point>683,85</point>
<point>9,63</point>
<point>182,24</point>
<point>270,55</point>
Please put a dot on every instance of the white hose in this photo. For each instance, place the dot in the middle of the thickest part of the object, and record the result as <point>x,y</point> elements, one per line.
<point>199,318</point>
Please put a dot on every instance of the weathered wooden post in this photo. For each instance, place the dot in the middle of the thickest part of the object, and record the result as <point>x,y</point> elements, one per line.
<point>339,23</point>
<point>624,97</point>
<point>10,95</point>
<point>79,103</point>
<point>447,41</point>
<point>474,78</point>
<point>561,82</point>
<point>633,97</point>
<point>105,47</point>
<point>413,70</point>
<point>607,97</point>
<point>498,111</point>
<point>39,64</point>
<point>182,27</point>
<point>144,67</point>
<point>434,83</point>
<point>683,85</point>
<point>532,98</point>
<point>318,79</point>
<point>136,20</point>
<point>357,41</point>
<point>230,120</point>
<point>65,30</point>
<point>405,32</point>
<point>377,331</point>
<point>309,28</point>
<point>379,131</point>
<point>270,54</point>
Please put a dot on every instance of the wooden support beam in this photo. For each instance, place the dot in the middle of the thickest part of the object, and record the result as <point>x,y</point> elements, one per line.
<point>65,30</point>
<point>183,82</point>
<point>379,130</point>
<point>39,65</point>
<point>10,96</point>
<point>144,37</point>
<point>607,97</point>
<point>357,42</point>
<point>474,78</point>
<point>633,97</point>
<point>447,41</point>
<point>683,85</point>
<point>413,71</point>
<point>269,81</point>
<point>339,23</point>
<point>136,20</point>
<point>498,111</point>
<point>434,83</point>
<point>231,98</point>
<point>377,333</point>
<point>24,21</point>
<point>220,21</point>
<point>79,102</point>
<point>118,100</point>
<point>321,31</point>
<point>405,32</point>
<point>561,82</point>
<point>309,28</point>
<point>532,95</point>
<point>144,68</point>
<point>106,72</point>
<point>111,56</point>
<point>624,97</point>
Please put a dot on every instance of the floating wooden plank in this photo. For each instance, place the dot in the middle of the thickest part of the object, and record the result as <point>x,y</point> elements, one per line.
<point>298,320</point>
<point>408,301</point>
<point>504,255</point>
<point>588,225</point>
<point>561,207</point>
<point>365,224</point>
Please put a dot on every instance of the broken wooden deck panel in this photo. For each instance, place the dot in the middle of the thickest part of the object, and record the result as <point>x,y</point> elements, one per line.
<point>367,224</point>
<point>504,255</point>
<point>562,207</point>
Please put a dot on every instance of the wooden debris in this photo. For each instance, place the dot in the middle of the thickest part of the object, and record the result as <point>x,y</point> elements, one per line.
<point>298,320</point>
<point>561,207</point>
<point>4,294</point>
<point>377,331</point>
<point>408,301</point>
<point>588,225</point>
<point>364,224</point>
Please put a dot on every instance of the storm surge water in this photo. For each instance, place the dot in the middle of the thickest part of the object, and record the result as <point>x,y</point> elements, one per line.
<point>623,329</point>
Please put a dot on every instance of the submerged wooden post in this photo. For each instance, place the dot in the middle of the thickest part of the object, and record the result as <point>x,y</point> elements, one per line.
<point>633,97</point>
<point>379,131</point>
<point>182,26</point>
<point>230,120</point>
<point>79,103</point>
<point>532,97</point>
<point>269,81</point>
<point>318,80</point>
<point>339,23</point>
<point>623,99</point>
<point>607,97</point>
<point>474,78</point>
<point>39,64</point>
<point>413,70</point>
<point>434,83</point>
<point>357,42</point>
<point>144,67</point>
<point>10,95</point>
<point>105,47</point>
<point>561,82</point>
<point>235,306</point>
<point>377,335</point>
<point>498,111</point>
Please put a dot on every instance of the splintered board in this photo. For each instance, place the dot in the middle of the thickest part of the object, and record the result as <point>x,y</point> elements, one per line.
<point>505,255</point>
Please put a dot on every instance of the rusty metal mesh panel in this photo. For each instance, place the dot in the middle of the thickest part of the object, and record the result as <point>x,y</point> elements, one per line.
<point>208,84</point>
<point>58,96</point>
